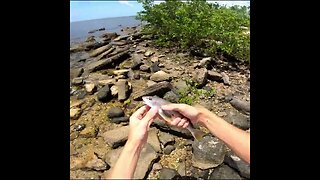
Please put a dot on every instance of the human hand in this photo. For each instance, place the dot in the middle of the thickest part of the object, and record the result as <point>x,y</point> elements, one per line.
<point>189,112</point>
<point>139,124</point>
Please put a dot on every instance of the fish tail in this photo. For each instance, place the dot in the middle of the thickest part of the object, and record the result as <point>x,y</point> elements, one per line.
<point>197,134</point>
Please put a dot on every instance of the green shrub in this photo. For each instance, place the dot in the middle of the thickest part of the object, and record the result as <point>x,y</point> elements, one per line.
<point>192,94</point>
<point>197,23</point>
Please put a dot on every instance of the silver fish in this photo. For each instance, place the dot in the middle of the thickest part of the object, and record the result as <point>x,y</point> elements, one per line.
<point>155,101</point>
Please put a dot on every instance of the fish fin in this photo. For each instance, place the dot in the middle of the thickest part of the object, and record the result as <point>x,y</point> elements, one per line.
<point>197,134</point>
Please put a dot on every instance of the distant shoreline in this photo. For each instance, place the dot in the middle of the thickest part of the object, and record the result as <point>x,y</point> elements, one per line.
<point>102,18</point>
<point>79,30</point>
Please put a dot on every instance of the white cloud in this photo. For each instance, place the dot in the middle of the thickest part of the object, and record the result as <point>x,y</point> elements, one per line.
<point>125,3</point>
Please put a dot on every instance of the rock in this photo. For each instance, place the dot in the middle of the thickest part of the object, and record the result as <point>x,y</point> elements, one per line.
<point>171,97</point>
<point>84,174</point>
<point>121,72</point>
<point>145,76</point>
<point>106,81</point>
<point>121,37</point>
<point>123,89</point>
<point>144,68</point>
<point>114,90</point>
<point>161,65</point>
<point>96,164</point>
<point>237,119</point>
<point>207,104</point>
<point>118,120</point>
<point>150,83</point>
<point>204,62</point>
<point>121,77</point>
<point>77,81</point>
<point>155,67</point>
<point>168,149</point>
<point>224,172</point>
<point>199,173</point>
<point>147,157</point>
<point>74,135</point>
<point>225,78</point>
<point>81,94</point>
<point>154,59</point>
<point>214,76</point>
<point>157,166</point>
<point>104,94</point>
<point>170,129</point>
<point>166,173</point>
<point>222,114</point>
<point>158,89</point>
<point>136,61</point>
<point>74,73</point>
<point>98,65</point>
<point>89,132</point>
<point>116,137</point>
<point>94,45</point>
<point>235,162</point>
<point>100,50</point>
<point>120,43</point>
<point>180,86</point>
<point>79,127</point>
<point>148,53</point>
<point>141,51</point>
<point>182,168</point>
<point>90,88</point>
<point>153,139</point>
<point>133,75</point>
<point>75,113</point>
<point>161,55</point>
<point>104,54</point>
<point>240,105</point>
<point>109,35</point>
<point>208,153</point>
<point>90,38</point>
<point>166,138</point>
<point>200,76</point>
<point>72,150</point>
<point>160,76</point>
<point>115,112</point>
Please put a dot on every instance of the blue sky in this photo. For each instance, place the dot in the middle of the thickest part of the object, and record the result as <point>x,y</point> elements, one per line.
<point>87,10</point>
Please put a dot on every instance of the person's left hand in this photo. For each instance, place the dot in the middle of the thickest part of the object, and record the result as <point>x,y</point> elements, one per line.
<point>139,124</point>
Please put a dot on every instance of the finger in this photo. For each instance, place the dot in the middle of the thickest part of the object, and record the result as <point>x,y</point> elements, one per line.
<point>175,121</point>
<point>150,114</point>
<point>186,125</point>
<point>181,123</point>
<point>173,107</point>
<point>140,111</point>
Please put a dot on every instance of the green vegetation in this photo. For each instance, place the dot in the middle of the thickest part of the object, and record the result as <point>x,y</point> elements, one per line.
<point>192,94</point>
<point>197,23</point>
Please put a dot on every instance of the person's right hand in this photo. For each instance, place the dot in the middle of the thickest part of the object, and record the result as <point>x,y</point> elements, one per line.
<point>192,113</point>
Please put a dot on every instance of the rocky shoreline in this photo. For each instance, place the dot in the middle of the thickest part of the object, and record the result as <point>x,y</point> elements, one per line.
<point>109,75</point>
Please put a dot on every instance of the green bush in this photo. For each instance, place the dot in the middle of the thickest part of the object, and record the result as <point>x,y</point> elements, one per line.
<point>191,94</point>
<point>197,23</point>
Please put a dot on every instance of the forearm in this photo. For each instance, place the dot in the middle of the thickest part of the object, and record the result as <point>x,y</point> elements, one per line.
<point>127,162</point>
<point>236,139</point>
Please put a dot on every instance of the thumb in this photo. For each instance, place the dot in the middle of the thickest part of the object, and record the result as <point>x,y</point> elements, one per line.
<point>173,107</point>
<point>150,115</point>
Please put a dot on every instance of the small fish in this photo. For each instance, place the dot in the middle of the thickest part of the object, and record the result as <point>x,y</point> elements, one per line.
<point>169,115</point>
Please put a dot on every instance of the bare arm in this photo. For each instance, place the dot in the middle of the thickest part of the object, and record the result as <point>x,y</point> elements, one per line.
<point>236,139</point>
<point>126,164</point>
<point>138,135</point>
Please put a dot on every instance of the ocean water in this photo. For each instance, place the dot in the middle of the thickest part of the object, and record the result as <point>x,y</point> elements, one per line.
<point>79,30</point>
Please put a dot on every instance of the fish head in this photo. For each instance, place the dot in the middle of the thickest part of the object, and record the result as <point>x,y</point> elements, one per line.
<point>151,101</point>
